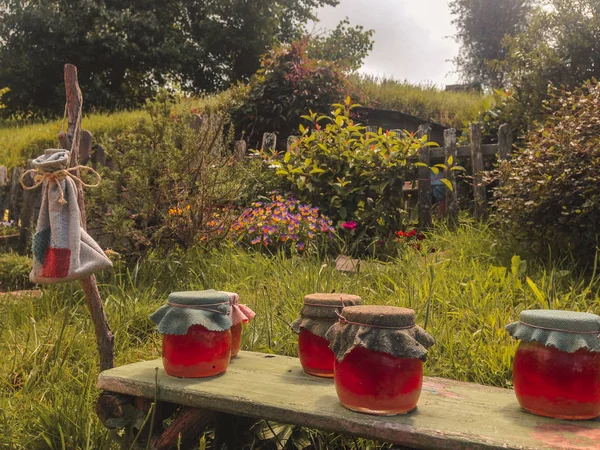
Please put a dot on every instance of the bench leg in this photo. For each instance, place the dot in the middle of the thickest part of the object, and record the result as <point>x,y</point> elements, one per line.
<point>185,430</point>
<point>231,431</point>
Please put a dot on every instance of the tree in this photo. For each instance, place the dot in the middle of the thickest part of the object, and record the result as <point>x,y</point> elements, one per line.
<point>482,26</point>
<point>560,48</point>
<point>346,45</point>
<point>125,49</point>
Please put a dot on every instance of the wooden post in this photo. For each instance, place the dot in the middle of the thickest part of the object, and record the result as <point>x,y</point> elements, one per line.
<point>504,142</point>
<point>269,141</point>
<point>451,195</point>
<point>3,191</point>
<point>15,194</point>
<point>424,183</point>
<point>26,213</point>
<point>239,150</point>
<point>477,163</point>
<point>291,140</point>
<point>104,337</point>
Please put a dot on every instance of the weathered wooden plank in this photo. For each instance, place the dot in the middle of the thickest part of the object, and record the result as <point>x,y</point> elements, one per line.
<point>85,147</point>
<point>479,190</point>
<point>464,151</point>
<point>450,415</point>
<point>451,195</point>
<point>424,187</point>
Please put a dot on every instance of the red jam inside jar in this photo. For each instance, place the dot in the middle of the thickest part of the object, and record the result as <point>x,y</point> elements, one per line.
<point>236,339</point>
<point>197,354</point>
<point>378,383</point>
<point>315,355</point>
<point>550,382</point>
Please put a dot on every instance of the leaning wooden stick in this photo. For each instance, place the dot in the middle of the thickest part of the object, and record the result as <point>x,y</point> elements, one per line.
<point>104,337</point>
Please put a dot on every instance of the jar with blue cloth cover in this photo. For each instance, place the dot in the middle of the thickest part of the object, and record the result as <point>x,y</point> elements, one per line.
<point>196,329</point>
<point>556,370</point>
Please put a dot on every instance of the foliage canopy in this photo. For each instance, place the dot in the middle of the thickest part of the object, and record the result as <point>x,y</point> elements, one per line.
<point>126,49</point>
<point>550,196</point>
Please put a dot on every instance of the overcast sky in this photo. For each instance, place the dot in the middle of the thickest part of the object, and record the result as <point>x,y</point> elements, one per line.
<point>411,37</point>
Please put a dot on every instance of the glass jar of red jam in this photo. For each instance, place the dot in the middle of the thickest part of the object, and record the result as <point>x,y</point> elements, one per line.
<point>320,311</point>
<point>196,329</point>
<point>556,370</point>
<point>379,354</point>
<point>240,315</point>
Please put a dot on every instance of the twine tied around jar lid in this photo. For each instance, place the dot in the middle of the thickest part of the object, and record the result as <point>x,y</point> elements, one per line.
<point>208,308</point>
<point>385,329</point>
<point>320,311</point>
<point>567,331</point>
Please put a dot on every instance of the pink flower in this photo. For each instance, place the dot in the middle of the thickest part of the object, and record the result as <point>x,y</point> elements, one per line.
<point>349,225</point>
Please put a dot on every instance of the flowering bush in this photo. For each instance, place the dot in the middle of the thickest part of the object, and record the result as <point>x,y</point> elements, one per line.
<point>282,223</point>
<point>355,176</point>
<point>412,238</point>
<point>288,83</point>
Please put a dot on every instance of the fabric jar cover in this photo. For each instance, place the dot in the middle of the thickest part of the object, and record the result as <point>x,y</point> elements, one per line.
<point>386,329</point>
<point>320,311</point>
<point>208,308</point>
<point>62,249</point>
<point>567,331</point>
<point>239,313</point>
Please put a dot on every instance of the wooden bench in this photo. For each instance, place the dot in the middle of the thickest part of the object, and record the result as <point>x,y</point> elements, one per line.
<point>450,415</point>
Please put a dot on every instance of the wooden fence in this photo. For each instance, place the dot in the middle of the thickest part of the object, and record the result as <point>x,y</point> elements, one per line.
<point>475,151</point>
<point>22,207</point>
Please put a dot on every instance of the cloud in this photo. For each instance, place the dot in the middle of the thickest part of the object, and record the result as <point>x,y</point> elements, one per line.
<point>411,37</point>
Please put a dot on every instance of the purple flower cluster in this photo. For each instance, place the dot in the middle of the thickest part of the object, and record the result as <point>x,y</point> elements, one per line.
<point>284,222</point>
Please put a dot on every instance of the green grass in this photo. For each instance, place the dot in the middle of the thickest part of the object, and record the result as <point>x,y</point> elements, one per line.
<point>454,109</point>
<point>464,294</point>
<point>20,142</point>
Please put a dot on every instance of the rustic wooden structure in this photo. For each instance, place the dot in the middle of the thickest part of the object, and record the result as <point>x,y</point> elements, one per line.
<point>451,414</point>
<point>396,120</point>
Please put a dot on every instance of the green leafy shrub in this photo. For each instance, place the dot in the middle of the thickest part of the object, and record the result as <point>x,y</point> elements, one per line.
<point>352,175</point>
<point>550,195</point>
<point>14,272</point>
<point>288,83</point>
<point>166,180</point>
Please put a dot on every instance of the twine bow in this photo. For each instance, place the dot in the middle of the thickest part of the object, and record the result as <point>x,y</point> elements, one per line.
<point>345,321</point>
<point>39,176</point>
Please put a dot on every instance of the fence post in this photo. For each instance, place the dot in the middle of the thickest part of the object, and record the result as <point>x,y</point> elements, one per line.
<point>15,194</point>
<point>239,150</point>
<point>424,182</point>
<point>451,195</point>
<point>3,191</point>
<point>27,213</point>
<point>269,141</point>
<point>504,142</point>
<point>291,140</point>
<point>477,163</point>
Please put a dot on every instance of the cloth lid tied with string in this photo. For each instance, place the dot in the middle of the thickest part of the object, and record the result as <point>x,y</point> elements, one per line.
<point>321,310</point>
<point>208,308</point>
<point>386,329</point>
<point>567,331</point>
<point>239,313</point>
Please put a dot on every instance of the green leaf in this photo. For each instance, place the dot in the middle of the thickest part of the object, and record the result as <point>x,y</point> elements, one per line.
<point>435,170</point>
<point>316,170</point>
<point>447,183</point>
<point>420,164</point>
<point>456,168</point>
<point>538,294</point>
<point>450,160</point>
